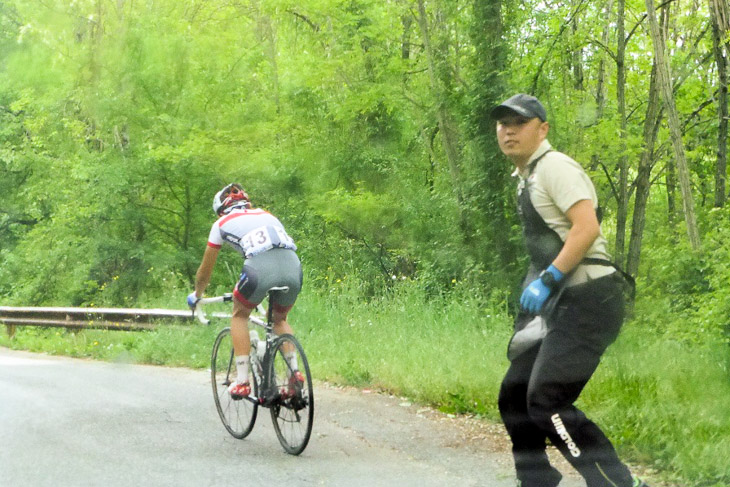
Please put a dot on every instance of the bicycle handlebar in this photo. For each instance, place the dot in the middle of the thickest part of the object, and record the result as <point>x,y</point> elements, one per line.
<point>198,310</point>
<point>227,298</point>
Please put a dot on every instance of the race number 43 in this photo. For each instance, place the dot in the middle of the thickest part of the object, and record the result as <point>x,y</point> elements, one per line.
<point>264,238</point>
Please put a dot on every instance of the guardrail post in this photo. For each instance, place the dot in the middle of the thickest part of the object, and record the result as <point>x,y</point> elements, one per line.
<point>11,330</point>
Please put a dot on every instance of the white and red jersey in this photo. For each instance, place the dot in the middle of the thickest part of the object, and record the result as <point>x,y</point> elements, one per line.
<point>250,232</point>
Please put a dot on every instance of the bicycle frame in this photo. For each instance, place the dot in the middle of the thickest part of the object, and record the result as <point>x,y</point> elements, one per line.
<point>267,324</point>
<point>228,297</point>
<point>289,397</point>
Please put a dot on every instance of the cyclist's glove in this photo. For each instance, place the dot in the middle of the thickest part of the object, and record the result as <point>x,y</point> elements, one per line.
<point>193,300</point>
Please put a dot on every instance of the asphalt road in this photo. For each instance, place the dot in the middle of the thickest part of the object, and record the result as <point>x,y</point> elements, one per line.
<point>68,422</point>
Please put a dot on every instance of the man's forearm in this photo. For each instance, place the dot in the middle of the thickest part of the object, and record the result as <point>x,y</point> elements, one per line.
<point>202,277</point>
<point>583,232</point>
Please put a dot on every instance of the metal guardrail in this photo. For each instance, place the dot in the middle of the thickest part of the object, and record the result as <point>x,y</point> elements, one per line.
<point>124,319</point>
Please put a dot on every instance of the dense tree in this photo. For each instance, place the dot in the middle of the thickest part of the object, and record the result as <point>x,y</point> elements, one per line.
<point>364,124</point>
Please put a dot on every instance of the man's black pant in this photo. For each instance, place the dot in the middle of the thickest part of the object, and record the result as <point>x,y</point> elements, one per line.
<point>537,394</point>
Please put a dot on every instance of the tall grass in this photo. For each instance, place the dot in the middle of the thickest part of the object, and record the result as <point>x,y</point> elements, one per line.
<point>662,400</point>
<point>446,352</point>
<point>665,403</point>
<point>177,346</point>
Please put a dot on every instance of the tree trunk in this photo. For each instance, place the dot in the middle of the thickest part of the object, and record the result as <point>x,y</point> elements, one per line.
<point>447,129</point>
<point>405,50</point>
<point>670,180</point>
<point>623,162</point>
<point>643,179</point>
<point>493,191</point>
<point>577,61</point>
<point>665,87</point>
<point>266,32</point>
<point>720,12</point>
<point>600,95</point>
<point>719,16</point>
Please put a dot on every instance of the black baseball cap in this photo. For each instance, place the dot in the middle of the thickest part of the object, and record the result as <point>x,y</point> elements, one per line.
<point>521,104</point>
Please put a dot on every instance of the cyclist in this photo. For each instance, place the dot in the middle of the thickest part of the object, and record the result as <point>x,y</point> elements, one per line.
<point>270,260</point>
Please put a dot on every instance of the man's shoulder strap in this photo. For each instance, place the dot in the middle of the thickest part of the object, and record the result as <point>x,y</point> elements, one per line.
<point>533,164</point>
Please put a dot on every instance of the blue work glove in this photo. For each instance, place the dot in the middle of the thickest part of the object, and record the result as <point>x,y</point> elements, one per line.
<point>538,291</point>
<point>193,300</point>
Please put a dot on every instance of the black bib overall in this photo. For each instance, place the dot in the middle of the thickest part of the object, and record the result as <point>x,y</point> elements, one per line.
<point>543,243</point>
<point>537,394</point>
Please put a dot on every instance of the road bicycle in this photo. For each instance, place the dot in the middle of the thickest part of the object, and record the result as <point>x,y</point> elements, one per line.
<point>290,402</point>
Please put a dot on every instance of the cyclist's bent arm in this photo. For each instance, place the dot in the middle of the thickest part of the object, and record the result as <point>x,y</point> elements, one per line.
<point>202,277</point>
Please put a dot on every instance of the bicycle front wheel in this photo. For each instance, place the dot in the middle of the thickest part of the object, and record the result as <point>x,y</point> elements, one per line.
<point>293,412</point>
<point>237,415</point>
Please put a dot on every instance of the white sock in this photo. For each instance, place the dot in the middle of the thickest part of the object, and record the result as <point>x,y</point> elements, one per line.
<point>242,368</point>
<point>291,357</point>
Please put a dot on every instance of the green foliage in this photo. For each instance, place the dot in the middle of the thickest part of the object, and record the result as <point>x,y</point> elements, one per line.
<point>323,111</point>
<point>692,287</point>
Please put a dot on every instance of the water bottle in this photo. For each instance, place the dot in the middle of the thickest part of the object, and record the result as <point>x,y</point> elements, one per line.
<point>261,350</point>
<point>258,346</point>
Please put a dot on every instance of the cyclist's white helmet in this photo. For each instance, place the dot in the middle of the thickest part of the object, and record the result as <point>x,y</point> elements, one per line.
<point>230,197</point>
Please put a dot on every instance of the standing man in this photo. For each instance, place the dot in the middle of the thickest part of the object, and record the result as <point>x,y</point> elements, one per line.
<point>572,308</point>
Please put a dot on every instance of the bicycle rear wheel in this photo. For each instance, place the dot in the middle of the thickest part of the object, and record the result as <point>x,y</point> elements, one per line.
<point>238,416</point>
<point>293,412</point>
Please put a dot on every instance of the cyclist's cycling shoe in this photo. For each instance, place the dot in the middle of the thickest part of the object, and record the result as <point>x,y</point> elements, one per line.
<point>639,483</point>
<point>296,382</point>
<point>239,391</point>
